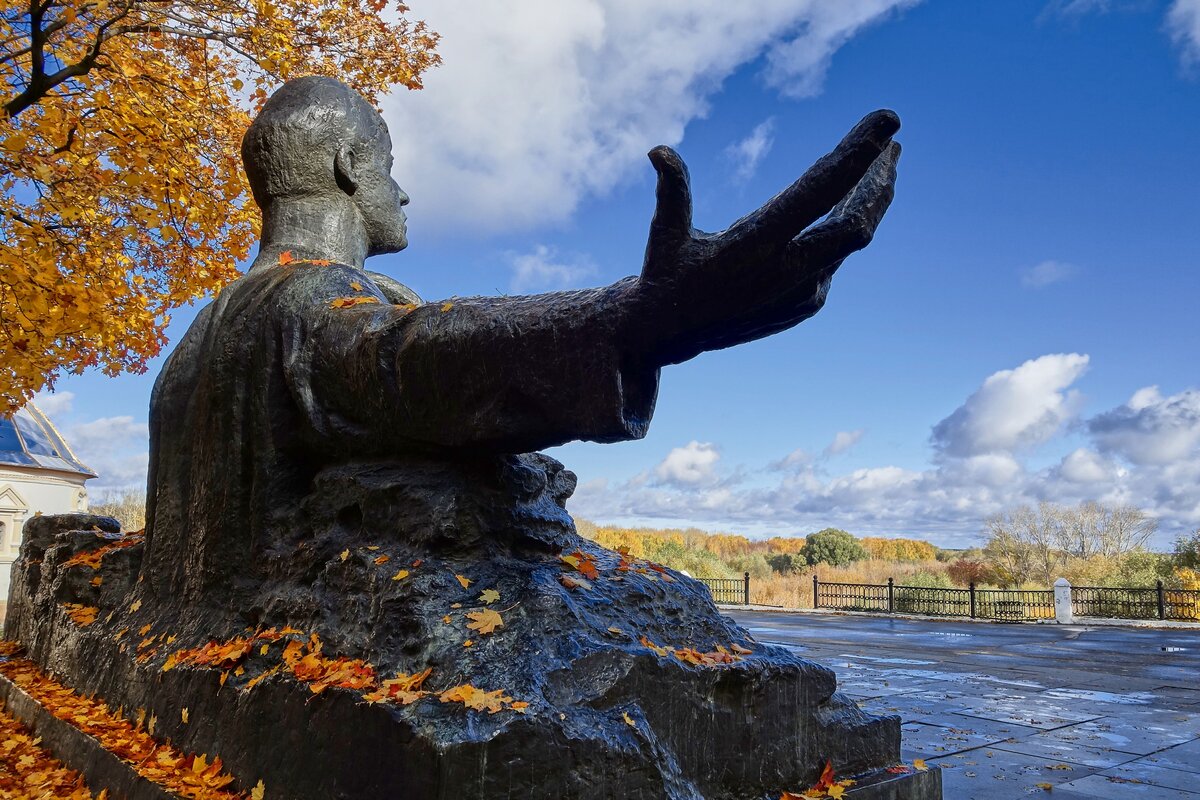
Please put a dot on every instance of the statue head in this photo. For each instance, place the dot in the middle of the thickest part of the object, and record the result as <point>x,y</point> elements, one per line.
<point>316,138</point>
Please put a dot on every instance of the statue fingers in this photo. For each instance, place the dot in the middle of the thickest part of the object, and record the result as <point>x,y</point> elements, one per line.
<point>852,223</point>
<point>672,221</point>
<point>820,188</point>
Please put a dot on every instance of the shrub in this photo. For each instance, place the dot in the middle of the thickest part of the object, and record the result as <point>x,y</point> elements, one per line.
<point>785,563</point>
<point>966,571</point>
<point>834,547</point>
<point>1187,551</point>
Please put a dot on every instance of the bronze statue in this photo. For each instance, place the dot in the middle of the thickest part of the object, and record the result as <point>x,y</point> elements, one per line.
<point>277,381</point>
<point>318,421</point>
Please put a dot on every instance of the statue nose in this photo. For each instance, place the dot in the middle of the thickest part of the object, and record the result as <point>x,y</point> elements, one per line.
<point>402,196</point>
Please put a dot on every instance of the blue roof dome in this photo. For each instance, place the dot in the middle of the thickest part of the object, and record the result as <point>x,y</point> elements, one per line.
<point>28,439</point>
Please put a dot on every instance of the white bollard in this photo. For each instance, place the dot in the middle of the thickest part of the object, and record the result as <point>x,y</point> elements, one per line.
<point>1064,614</point>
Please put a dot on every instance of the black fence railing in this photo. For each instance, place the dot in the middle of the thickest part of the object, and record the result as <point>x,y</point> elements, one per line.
<point>1013,605</point>
<point>1004,604</point>
<point>729,590</point>
<point>1156,602</point>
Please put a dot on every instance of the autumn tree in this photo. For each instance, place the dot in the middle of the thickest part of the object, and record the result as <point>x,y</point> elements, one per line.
<point>834,547</point>
<point>1187,551</point>
<point>1028,544</point>
<point>121,191</point>
<point>898,549</point>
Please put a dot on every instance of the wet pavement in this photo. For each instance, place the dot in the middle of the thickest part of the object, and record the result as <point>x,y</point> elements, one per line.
<point>1010,711</point>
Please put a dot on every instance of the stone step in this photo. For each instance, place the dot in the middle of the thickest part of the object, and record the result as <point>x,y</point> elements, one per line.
<point>78,751</point>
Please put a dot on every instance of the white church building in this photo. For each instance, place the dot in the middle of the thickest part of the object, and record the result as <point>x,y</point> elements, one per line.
<point>38,474</point>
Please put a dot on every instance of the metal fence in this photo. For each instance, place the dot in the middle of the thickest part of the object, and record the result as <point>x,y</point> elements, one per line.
<point>1003,604</point>
<point>1154,602</point>
<point>729,590</point>
<point>1013,605</point>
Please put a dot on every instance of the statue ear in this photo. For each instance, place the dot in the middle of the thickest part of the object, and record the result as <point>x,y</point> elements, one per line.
<point>344,171</point>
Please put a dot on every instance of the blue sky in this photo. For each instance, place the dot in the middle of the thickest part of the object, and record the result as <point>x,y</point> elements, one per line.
<point>1022,328</point>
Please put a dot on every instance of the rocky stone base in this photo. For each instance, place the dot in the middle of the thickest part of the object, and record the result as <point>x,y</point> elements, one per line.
<point>374,668</point>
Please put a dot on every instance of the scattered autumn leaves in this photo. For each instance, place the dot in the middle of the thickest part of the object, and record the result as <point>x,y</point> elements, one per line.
<point>95,556</point>
<point>28,772</point>
<point>827,785</point>
<point>183,774</point>
<point>585,569</point>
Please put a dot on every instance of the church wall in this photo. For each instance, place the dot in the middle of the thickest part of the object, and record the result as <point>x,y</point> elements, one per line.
<point>24,493</point>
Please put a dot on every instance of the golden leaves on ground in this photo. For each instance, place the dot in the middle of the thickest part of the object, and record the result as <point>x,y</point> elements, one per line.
<point>80,614</point>
<point>485,621</point>
<point>715,658</point>
<point>489,596</point>
<point>827,785</point>
<point>92,558</point>
<point>183,774</point>
<point>479,700</point>
<point>402,689</point>
<point>121,190</point>
<point>347,302</point>
<point>305,661</point>
<point>400,575</point>
<point>583,563</point>
<point>587,568</point>
<point>464,582</point>
<point>27,772</point>
<point>222,655</point>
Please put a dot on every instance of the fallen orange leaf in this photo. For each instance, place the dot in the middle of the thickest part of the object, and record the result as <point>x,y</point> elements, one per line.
<point>485,621</point>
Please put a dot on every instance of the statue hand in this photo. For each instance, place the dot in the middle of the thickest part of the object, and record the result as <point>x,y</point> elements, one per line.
<point>769,270</point>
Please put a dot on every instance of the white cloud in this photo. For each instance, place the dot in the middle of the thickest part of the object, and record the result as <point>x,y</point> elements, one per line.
<point>747,153</point>
<point>1078,8</point>
<point>798,66</point>
<point>1150,428</point>
<point>793,460</point>
<point>1046,273</point>
<point>1015,409</point>
<point>116,448</point>
<point>694,464</point>
<point>1084,466</point>
<point>843,441</point>
<point>54,404</point>
<point>542,270</point>
<point>1144,453</point>
<point>540,103</point>
<point>1183,23</point>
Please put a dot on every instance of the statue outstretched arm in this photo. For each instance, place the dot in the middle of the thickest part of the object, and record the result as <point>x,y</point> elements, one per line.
<point>514,374</point>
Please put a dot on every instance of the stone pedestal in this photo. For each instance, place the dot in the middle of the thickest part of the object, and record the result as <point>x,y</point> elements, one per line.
<point>608,676</point>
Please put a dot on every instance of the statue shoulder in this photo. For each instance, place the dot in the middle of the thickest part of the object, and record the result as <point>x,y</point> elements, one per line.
<point>395,291</point>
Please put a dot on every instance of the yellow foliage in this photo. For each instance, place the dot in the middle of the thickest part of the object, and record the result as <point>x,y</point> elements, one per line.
<point>789,544</point>
<point>1188,579</point>
<point>121,190</point>
<point>898,549</point>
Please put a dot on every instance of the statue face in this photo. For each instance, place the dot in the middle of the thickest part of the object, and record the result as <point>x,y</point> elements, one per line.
<point>379,199</point>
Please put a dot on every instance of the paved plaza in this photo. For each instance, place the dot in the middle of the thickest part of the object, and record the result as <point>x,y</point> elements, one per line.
<point>1009,711</point>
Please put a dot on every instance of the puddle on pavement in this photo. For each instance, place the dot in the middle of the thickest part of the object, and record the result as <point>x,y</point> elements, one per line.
<point>938,634</point>
<point>876,660</point>
<point>1128,699</point>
